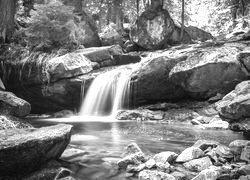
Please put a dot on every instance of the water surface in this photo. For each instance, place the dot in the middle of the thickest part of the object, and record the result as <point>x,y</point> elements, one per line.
<point>104,141</point>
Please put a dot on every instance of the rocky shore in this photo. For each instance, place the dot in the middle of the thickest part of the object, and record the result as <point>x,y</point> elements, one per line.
<point>205,160</point>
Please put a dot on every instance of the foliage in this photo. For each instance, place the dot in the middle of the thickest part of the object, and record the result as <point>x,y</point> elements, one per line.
<point>53,25</point>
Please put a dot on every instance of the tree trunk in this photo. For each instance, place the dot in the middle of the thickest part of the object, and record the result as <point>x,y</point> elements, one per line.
<point>182,19</point>
<point>7,19</point>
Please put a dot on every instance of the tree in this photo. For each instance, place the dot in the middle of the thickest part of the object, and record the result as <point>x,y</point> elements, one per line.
<point>7,19</point>
<point>182,18</point>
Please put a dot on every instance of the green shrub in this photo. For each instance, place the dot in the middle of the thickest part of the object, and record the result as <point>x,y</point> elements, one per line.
<point>54,25</point>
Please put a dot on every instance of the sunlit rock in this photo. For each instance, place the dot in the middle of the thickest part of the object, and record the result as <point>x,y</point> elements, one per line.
<point>150,163</point>
<point>165,157</point>
<point>190,154</point>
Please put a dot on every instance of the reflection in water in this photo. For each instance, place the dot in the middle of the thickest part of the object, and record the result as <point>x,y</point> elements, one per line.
<point>104,142</point>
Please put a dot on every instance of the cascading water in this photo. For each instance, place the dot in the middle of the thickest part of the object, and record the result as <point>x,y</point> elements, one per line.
<point>108,93</point>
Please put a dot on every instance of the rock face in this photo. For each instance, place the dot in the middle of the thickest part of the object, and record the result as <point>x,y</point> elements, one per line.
<point>198,164</point>
<point>151,81</point>
<point>236,104</point>
<point>153,29</point>
<point>152,175</point>
<point>209,71</point>
<point>25,150</point>
<point>13,105</point>
<point>54,83</point>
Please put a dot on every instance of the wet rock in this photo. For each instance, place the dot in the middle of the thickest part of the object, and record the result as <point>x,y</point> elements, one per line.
<point>70,153</point>
<point>207,174</point>
<point>190,154</point>
<point>209,71</point>
<point>63,114</point>
<point>13,105</point>
<point>50,174</point>
<point>150,163</point>
<point>25,150</point>
<point>198,164</point>
<point>204,144</point>
<point>165,157</point>
<point>136,159</point>
<point>153,174</point>
<point>216,98</point>
<point>161,106</point>
<point>235,105</point>
<point>244,58</point>
<point>140,115</point>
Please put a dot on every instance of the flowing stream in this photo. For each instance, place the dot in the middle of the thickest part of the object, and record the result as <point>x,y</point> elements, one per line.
<point>108,93</point>
<point>101,139</point>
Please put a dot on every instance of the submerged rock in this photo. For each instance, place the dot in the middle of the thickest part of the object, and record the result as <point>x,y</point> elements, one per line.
<point>140,115</point>
<point>25,150</point>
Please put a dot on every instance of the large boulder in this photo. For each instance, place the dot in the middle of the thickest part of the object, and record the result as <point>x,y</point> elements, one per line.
<point>151,81</point>
<point>236,104</point>
<point>153,29</point>
<point>25,150</point>
<point>13,105</point>
<point>208,71</point>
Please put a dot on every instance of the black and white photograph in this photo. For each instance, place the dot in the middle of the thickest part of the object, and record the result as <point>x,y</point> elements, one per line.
<point>124,89</point>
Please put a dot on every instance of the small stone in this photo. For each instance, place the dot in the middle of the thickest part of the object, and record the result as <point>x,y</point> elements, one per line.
<point>190,154</point>
<point>164,157</point>
<point>207,174</point>
<point>244,170</point>
<point>204,144</point>
<point>132,149</point>
<point>150,163</point>
<point>154,175</point>
<point>136,158</point>
<point>198,164</point>
<point>179,175</point>
<point>164,167</point>
<point>224,152</point>
<point>245,154</point>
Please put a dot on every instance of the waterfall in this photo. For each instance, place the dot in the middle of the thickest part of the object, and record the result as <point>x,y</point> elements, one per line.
<point>108,93</point>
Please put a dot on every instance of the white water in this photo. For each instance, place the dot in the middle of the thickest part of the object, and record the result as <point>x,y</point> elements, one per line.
<point>108,93</point>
